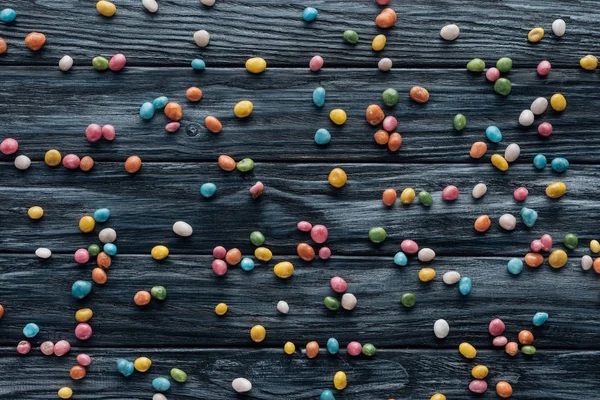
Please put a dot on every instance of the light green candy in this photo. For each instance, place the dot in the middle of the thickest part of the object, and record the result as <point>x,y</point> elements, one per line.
<point>178,375</point>
<point>100,63</point>
<point>476,65</point>
<point>245,165</point>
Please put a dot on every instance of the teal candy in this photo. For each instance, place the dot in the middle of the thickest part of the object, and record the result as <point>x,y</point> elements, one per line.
<point>147,110</point>
<point>8,15</point>
<point>31,330</point>
<point>539,318</point>
<point>110,249</point>
<point>102,214</point>
<point>333,346</point>
<point>309,14</point>
<point>540,161</point>
<point>327,395</point>
<point>465,285</point>
<point>208,189</point>
<point>493,134</point>
<point>198,64</point>
<point>247,264</point>
<point>319,96</point>
<point>529,216</point>
<point>400,259</point>
<point>322,136</point>
<point>161,384</point>
<point>80,289</point>
<point>515,266</point>
<point>560,164</point>
<point>160,102</point>
<point>124,367</point>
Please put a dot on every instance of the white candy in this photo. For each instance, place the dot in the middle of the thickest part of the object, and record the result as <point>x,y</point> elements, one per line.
<point>65,63</point>
<point>479,190</point>
<point>426,254</point>
<point>150,5</point>
<point>209,3</point>
<point>348,301</point>
<point>385,64</point>
<point>539,105</point>
<point>283,307</point>
<point>559,27</point>
<point>450,32</point>
<point>526,118</point>
<point>441,328</point>
<point>241,385</point>
<point>107,235</point>
<point>586,262</point>
<point>512,152</point>
<point>182,228</point>
<point>201,38</point>
<point>159,396</point>
<point>43,252</point>
<point>451,277</point>
<point>22,162</point>
<point>508,222</point>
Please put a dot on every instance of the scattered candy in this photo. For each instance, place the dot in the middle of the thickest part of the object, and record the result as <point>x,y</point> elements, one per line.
<point>450,32</point>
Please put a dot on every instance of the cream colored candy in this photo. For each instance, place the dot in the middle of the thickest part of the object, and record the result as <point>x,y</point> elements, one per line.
<point>182,228</point>
<point>43,252</point>
<point>159,396</point>
<point>451,277</point>
<point>65,63</point>
<point>22,162</point>
<point>241,385</point>
<point>348,301</point>
<point>508,222</point>
<point>441,328</point>
<point>283,307</point>
<point>526,118</point>
<point>107,235</point>
<point>150,5</point>
<point>426,254</point>
<point>209,3</point>
<point>559,27</point>
<point>385,64</point>
<point>586,262</point>
<point>201,38</point>
<point>450,32</point>
<point>512,152</point>
<point>479,190</point>
<point>539,106</point>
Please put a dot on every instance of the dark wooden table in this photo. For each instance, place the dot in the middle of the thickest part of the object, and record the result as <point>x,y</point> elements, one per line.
<point>44,108</point>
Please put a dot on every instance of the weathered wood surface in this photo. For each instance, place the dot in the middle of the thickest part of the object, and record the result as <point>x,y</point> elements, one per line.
<point>187,318</point>
<point>274,30</point>
<point>398,374</point>
<point>49,109</point>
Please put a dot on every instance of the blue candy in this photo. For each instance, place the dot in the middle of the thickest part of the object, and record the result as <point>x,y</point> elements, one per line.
<point>319,96</point>
<point>515,266</point>
<point>493,134</point>
<point>208,189</point>
<point>80,289</point>
<point>124,367</point>
<point>309,14</point>
<point>540,161</point>
<point>198,64</point>
<point>9,15</point>
<point>110,249</point>
<point>31,330</point>
<point>322,136</point>
<point>102,214</point>
<point>147,110</point>
<point>465,285</point>
<point>160,102</point>
<point>333,345</point>
<point>539,318</point>
<point>529,216</point>
<point>161,384</point>
<point>560,164</point>
<point>400,259</point>
<point>247,264</point>
<point>326,395</point>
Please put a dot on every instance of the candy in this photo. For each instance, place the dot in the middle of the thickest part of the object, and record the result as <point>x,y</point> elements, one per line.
<point>544,68</point>
<point>61,348</point>
<point>377,234</point>
<point>570,241</point>
<point>142,364</point>
<point>409,246</point>
<point>133,164</point>
<point>479,372</point>
<point>178,375</point>
<point>221,309</point>
<point>534,260</point>
<point>324,253</point>
<point>504,64</point>
<point>331,303</point>
<point>316,63</point>
<point>374,115</point>
<point>389,97</point>
<point>348,301</point>
<point>369,350</point>
<point>528,350</point>
<point>478,150</point>
<point>499,162</point>
<point>539,106</point>
<point>539,161</point>
<point>312,349</point>
<point>520,193</point>
<point>450,32</point>
<point>158,292</point>
<point>86,164</point>
<point>558,102</point>
<point>201,38</point>
<point>556,190</point>
<point>500,341</point>
<point>147,110</point>
<point>492,74</point>
<point>263,254</point>
<point>589,63</point>
<point>426,274</point>
<point>438,396</point>
<point>338,116</point>
<point>31,330</point>
<point>504,389</point>
<point>283,307</point>
<point>508,222</point>
<point>557,259</point>
<point>43,252</point>
<point>467,350</point>
<point>515,266</point>
<point>8,15</point>
<point>529,216</point>
<point>318,96</point>
<point>378,42</point>
<point>545,129</point>
<point>23,347</point>
<point>2,46</point>
<point>478,386</point>
<point>117,62</point>
<point>150,5</point>
<point>338,284</point>
<point>535,35</point>
<point>83,359</point>
<point>142,298</point>
<point>526,118</point>
<point>425,198</point>
<point>65,393</point>
<point>241,385</point>
<point>476,65</point>
<point>71,161</point>
<point>107,235</point>
<point>22,162</point>
<point>243,109</point>
<point>233,256</point>
<point>559,164</point>
<point>407,196</point>
<point>283,269</point>
<point>337,178</point>
<point>511,348</point>
<point>493,134</point>
<point>82,256</point>
<point>198,64</point>
<point>35,212</point>
<point>441,328</point>
<point>502,86</point>
<point>319,233</point>
<point>419,94</point>
<point>594,246</point>
<point>400,259</point>
<point>289,348</point>
<point>100,63</point>
<point>350,36</point>
<point>83,331</point>
<point>386,18</point>
<point>245,165</point>
<point>385,64</point>
<point>482,223</point>
<point>161,384</point>
<point>408,300</point>
<point>539,318</point>
<point>208,3</point>
<point>258,333</point>
<point>451,277</point>
<point>559,27</point>
<point>35,41</point>
<point>465,285</point>
<point>450,193</point>
<point>9,146</point>
<point>459,122</point>
<point>81,289</point>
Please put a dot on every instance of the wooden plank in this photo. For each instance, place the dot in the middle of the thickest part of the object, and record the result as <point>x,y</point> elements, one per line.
<point>285,119</point>
<point>39,291</point>
<point>145,206</point>
<point>401,374</point>
<point>246,28</point>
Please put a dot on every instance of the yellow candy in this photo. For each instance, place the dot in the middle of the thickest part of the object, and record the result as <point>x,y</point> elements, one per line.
<point>87,224</point>
<point>438,396</point>
<point>500,162</point>
<point>337,178</point>
<point>35,212</point>
<point>338,116</point>
<point>256,65</point>
<point>467,350</point>
<point>106,8</point>
<point>221,309</point>
<point>289,348</point>
<point>479,372</point>
<point>589,62</point>
<point>557,259</point>
<point>52,158</point>
<point>535,35</point>
<point>556,190</point>
<point>407,196</point>
<point>159,252</point>
<point>426,274</point>
<point>378,42</point>
<point>65,393</point>
<point>84,315</point>
<point>558,102</point>
<point>243,109</point>
<point>142,364</point>
<point>263,254</point>
<point>339,380</point>
<point>284,269</point>
<point>595,246</point>
<point>258,333</point>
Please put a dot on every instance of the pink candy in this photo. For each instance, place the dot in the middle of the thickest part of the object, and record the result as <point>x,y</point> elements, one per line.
<point>93,132</point>
<point>545,129</point>
<point>61,348</point>
<point>492,74</point>
<point>219,267</point>
<point>409,246</point>
<point>257,189</point>
<point>172,127</point>
<point>338,284</point>
<point>304,226</point>
<point>9,146</point>
<point>536,246</point>
<point>83,331</point>
<point>316,63</point>
<point>390,123</point>
<point>82,256</point>
<point>496,327</point>
<point>84,360</point>
<point>319,233</point>
<point>544,68</point>
<point>450,193</point>
<point>521,193</point>
<point>354,348</point>
<point>47,348</point>
<point>478,386</point>
<point>23,347</point>
<point>500,341</point>
<point>117,62</point>
<point>219,252</point>
<point>324,253</point>
<point>383,2</point>
<point>546,242</point>
<point>108,132</point>
<point>71,161</point>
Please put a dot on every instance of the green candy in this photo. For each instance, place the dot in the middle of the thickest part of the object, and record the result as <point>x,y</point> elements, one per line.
<point>476,65</point>
<point>377,235</point>
<point>460,121</point>
<point>245,165</point>
<point>409,300</point>
<point>504,64</point>
<point>529,350</point>
<point>351,36</point>
<point>159,292</point>
<point>502,86</point>
<point>100,63</point>
<point>571,241</point>
<point>331,303</point>
<point>178,375</point>
<point>369,350</point>
<point>425,198</point>
<point>390,97</point>
<point>257,238</point>
<point>94,250</point>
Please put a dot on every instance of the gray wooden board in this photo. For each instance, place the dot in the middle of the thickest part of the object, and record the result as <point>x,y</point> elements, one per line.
<point>49,109</point>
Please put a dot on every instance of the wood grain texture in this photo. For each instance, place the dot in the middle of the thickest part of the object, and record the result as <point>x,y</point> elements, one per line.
<point>284,120</point>
<point>401,374</point>
<point>274,30</point>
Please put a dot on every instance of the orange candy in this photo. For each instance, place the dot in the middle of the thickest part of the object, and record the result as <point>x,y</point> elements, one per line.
<point>596,265</point>
<point>173,111</point>
<point>1,311</point>
<point>394,142</point>
<point>511,348</point>
<point>381,137</point>
<point>374,115</point>
<point>233,256</point>
<point>99,276</point>
<point>213,124</point>
<point>504,389</point>
<point>534,260</point>
<point>305,252</point>
<point>482,223</point>
<point>386,19</point>
<point>133,164</point>
<point>312,349</point>
<point>103,260</point>
<point>2,46</point>
<point>35,41</point>
<point>389,197</point>
<point>86,163</point>
<point>77,372</point>
<point>193,94</point>
<point>142,298</point>
<point>478,149</point>
<point>226,163</point>
<point>419,94</point>
<point>525,337</point>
